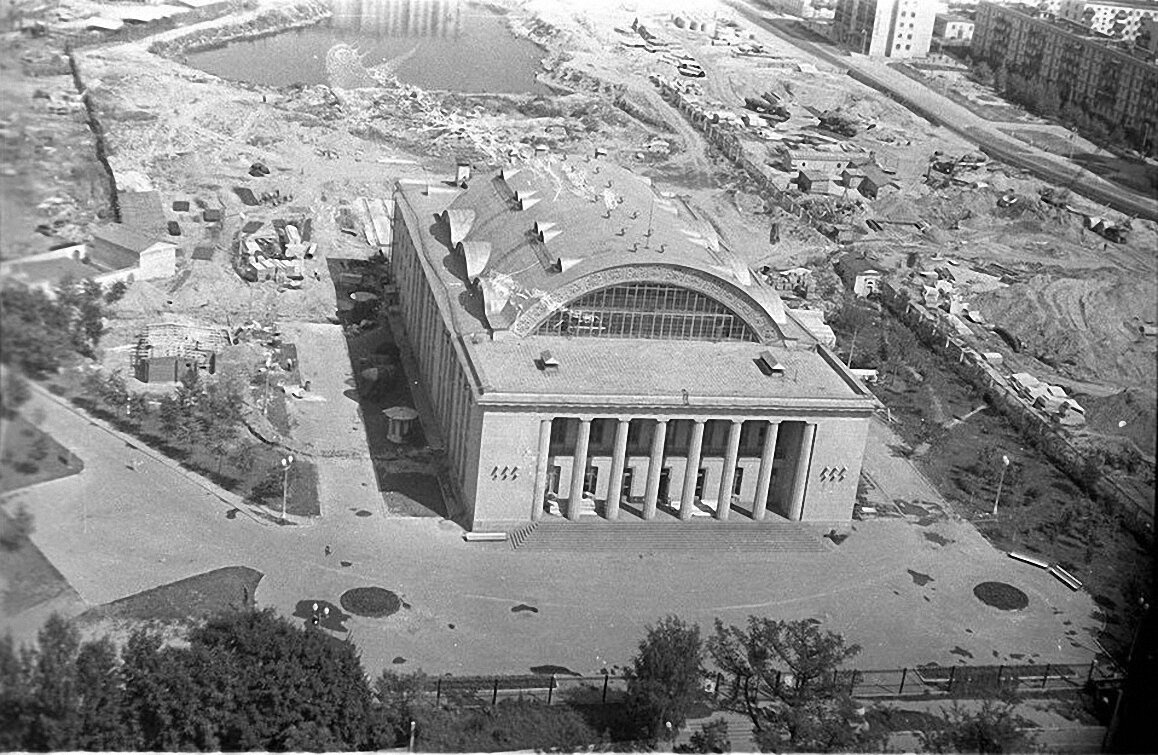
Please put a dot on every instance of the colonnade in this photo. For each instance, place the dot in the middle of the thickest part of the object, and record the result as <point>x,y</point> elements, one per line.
<point>692,460</point>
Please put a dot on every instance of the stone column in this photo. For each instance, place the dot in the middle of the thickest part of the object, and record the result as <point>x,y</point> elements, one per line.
<point>578,469</point>
<point>800,479</point>
<point>692,470</point>
<point>618,462</point>
<point>767,458</point>
<point>542,467</point>
<point>728,474</point>
<point>654,468</point>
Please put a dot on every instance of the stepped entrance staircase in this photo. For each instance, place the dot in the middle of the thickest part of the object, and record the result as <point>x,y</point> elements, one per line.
<point>707,536</point>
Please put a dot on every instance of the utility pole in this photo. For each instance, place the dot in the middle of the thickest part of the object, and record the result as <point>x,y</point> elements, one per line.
<point>285,467</point>
<point>1000,481</point>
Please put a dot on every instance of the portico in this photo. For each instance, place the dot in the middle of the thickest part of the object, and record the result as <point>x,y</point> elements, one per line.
<point>688,466</point>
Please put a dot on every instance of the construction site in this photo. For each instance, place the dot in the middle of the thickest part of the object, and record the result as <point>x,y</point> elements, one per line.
<point>279,198</point>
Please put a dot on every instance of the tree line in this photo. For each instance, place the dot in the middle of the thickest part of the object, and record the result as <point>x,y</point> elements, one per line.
<point>251,680</point>
<point>1050,101</point>
<point>39,333</point>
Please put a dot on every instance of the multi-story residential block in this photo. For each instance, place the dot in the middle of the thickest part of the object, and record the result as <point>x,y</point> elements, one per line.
<point>885,28</point>
<point>1120,20</point>
<point>1119,85</point>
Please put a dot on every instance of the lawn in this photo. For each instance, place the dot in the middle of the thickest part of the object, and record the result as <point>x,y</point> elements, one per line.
<point>31,456</point>
<point>29,577</point>
<point>196,597</point>
<point>255,475</point>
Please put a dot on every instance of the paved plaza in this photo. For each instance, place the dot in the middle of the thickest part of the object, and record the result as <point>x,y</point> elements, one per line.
<point>900,587</point>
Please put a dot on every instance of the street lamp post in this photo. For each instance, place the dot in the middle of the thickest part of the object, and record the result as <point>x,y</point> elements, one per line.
<point>285,468</point>
<point>1000,481</point>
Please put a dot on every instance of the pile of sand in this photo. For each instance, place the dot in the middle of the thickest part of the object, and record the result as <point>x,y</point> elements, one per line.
<point>1086,328</point>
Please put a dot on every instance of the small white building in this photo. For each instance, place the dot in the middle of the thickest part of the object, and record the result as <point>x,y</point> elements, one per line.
<point>116,253</point>
<point>867,283</point>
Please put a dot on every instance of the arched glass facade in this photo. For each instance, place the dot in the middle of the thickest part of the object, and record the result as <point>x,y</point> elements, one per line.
<point>648,310</point>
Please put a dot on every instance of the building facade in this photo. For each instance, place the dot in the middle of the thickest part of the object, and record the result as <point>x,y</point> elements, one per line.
<point>885,28</point>
<point>1119,20</point>
<point>1109,81</point>
<point>951,29</point>
<point>590,348</point>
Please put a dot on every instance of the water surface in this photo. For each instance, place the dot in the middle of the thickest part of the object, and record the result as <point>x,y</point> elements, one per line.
<point>436,44</point>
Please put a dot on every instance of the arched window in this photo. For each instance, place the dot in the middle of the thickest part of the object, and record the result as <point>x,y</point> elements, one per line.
<point>648,310</point>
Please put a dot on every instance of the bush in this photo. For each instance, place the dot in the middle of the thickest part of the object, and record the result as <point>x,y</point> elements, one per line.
<point>16,529</point>
<point>511,725</point>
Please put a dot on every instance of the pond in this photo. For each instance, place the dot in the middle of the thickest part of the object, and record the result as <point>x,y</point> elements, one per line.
<point>433,44</point>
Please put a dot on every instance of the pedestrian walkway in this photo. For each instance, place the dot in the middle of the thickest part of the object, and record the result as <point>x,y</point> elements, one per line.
<point>642,537</point>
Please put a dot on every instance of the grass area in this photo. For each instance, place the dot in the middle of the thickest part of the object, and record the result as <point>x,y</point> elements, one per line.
<point>412,494</point>
<point>254,474</point>
<point>28,577</point>
<point>196,597</point>
<point>1041,510</point>
<point>31,456</point>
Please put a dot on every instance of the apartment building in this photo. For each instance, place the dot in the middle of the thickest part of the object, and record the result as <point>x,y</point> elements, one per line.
<point>1120,20</point>
<point>885,28</point>
<point>1107,79</point>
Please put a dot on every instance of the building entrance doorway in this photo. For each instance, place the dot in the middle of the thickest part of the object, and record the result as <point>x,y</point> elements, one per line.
<point>664,484</point>
<point>625,490</point>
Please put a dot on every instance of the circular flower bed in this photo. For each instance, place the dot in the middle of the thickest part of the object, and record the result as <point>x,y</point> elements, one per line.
<point>1001,595</point>
<point>371,602</point>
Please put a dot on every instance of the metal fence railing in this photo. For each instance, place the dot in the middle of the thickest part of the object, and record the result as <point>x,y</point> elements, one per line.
<point>1026,680</point>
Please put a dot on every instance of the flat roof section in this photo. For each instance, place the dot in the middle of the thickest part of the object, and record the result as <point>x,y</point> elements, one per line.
<point>644,371</point>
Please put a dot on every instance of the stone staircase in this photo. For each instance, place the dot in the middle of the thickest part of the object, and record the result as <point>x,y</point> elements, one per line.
<point>707,536</point>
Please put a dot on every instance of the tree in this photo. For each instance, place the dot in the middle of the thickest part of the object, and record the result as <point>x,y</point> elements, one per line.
<point>994,728</point>
<point>399,699</point>
<point>1001,79</point>
<point>101,698</point>
<point>15,695</point>
<point>116,292</point>
<point>14,393</point>
<point>282,676</point>
<point>712,737</point>
<point>664,681</point>
<point>786,682</point>
<point>56,722</point>
<point>34,331</point>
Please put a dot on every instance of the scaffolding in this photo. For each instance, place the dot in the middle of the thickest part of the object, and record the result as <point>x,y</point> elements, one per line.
<point>168,351</point>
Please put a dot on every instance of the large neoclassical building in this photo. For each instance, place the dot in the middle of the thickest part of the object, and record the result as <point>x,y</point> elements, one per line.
<point>591,349</point>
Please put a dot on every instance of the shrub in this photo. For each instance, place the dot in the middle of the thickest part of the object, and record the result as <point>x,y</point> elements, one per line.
<point>16,529</point>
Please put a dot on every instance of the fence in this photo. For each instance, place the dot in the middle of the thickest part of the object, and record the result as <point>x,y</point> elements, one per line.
<point>1024,680</point>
